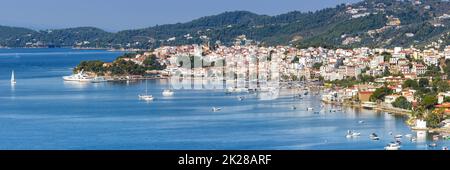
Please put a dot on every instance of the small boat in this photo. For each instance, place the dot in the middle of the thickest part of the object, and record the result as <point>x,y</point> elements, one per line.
<point>435,137</point>
<point>309,109</point>
<point>444,148</point>
<point>167,93</point>
<point>361,121</point>
<point>392,146</point>
<point>216,109</point>
<point>145,96</point>
<point>413,139</point>
<point>432,145</point>
<point>351,134</point>
<point>13,78</point>
<point>374,136</point>
<point>390,133</point>
<point>316,112</point>
<point>293,108</point>
<point>398,136</point>
<point>240,98</point>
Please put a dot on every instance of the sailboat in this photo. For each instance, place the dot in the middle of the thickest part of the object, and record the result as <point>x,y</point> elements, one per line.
<point>13,79</point>
<point>168,92</point>
<point>145,96</point>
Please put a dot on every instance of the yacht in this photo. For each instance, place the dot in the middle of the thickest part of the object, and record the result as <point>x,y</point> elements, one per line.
<point>145,96</point>
<point>13,79</point>
<point>81,76</point>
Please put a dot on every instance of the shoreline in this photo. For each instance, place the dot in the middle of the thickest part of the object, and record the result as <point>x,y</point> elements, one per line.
<point>395,111</point>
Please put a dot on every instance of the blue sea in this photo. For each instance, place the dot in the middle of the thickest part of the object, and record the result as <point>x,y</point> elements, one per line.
<point>43,112</point>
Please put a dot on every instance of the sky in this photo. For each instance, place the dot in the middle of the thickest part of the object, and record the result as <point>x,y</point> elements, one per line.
<point>115,15</point>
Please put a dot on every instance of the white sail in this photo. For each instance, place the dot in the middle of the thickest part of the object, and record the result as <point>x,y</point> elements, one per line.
<point>13,79</point>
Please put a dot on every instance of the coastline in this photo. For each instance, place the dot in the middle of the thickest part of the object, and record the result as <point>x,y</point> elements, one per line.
<point>395,111</point>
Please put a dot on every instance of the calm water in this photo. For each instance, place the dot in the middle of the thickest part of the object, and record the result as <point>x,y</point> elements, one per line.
<point>44,112</point>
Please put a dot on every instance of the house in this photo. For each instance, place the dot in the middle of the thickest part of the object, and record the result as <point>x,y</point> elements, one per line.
<point>364,96</point>
<point>445,106</point>
<point>390,98</point>
<point>419,69</point>
<point>442,96</point>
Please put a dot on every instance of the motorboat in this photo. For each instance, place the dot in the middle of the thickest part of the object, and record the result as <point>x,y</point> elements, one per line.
<point>392,146</point>
<point>374,136</point>
<point>361,121</point>
<point>444,148</point>
<point>216,109</point>
<point>293,108</point>
<point>167,93</point>
<point>309,109</point>
<point>398,136</point>
<point>81,77</point>
<point>351,134</point>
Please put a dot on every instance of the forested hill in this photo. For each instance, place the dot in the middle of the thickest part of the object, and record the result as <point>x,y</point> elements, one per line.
<point>372,23</point>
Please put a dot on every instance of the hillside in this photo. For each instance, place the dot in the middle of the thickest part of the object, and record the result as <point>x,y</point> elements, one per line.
<point>373,23</point>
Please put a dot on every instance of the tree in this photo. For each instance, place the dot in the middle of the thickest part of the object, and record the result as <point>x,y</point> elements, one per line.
<point>434,118</point>
<point>387,56</point>
<point>380,93</point>
<point>317,65</point>
<point>152,63</point>
<point>410,84</point>
<point>429,101</point>
<point>423,82</point>
<point>441,86</point>
<point>401,102</point>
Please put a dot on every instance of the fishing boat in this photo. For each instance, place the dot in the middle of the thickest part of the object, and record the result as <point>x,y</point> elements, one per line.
<point>13,79</point>
<point>392,146</point>
<point>146,96</point>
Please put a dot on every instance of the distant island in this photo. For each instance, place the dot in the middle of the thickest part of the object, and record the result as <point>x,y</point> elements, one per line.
<point>370,23</point>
